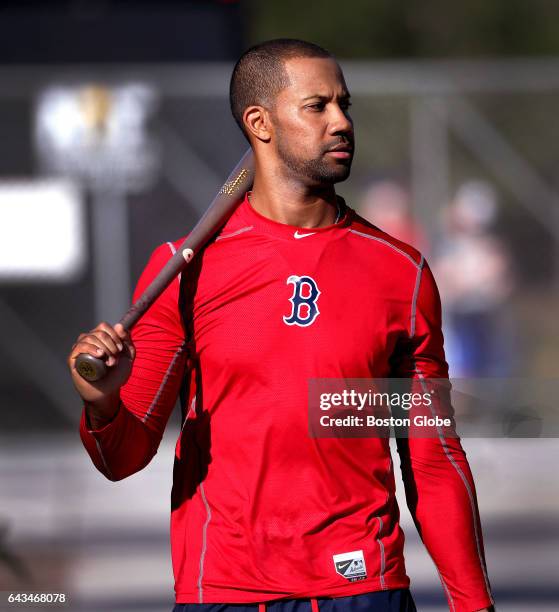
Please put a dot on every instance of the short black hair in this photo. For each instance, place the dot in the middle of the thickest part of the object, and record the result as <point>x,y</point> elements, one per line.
<point>260,74</point>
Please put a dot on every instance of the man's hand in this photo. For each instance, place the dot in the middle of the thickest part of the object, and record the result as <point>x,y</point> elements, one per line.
<point>101,397</point>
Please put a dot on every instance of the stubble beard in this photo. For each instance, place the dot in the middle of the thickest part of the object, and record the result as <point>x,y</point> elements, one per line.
<point>317,170</point>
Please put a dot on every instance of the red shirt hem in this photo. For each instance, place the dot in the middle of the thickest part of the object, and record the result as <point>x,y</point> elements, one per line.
<point>234,596</point>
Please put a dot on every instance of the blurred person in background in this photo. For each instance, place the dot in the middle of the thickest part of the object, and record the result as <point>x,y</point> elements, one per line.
<point>473,269</point>
<point>262,513</point>
<point>387,204</point>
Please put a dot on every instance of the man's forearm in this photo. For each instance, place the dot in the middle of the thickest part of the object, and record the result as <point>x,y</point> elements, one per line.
<point>441,496</point>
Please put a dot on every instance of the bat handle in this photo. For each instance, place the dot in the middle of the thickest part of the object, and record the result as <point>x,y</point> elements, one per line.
<point>90,368</point>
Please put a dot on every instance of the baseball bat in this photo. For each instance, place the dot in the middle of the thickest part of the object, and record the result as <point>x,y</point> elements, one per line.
<point>221,208</point>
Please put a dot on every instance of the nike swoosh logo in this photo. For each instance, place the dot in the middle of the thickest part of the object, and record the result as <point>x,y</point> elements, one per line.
<point>298,235</point>
<point>344,566</point>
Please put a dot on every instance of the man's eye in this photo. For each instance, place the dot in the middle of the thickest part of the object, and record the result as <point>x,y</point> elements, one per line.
<point>345,105</point>
<point>317,106</point>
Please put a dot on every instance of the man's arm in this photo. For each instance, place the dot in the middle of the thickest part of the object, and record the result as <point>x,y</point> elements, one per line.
<point>125,413</point>
<point>439,487</point>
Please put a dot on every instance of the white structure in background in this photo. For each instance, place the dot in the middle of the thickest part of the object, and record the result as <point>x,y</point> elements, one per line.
<point>98,135</point>
<point>42,235</point>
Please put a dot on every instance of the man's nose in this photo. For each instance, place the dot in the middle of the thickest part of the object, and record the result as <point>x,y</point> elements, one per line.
<point>340,122</point>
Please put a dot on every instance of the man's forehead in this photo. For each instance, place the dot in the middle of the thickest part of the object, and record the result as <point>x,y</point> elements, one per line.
<point>316,73</point>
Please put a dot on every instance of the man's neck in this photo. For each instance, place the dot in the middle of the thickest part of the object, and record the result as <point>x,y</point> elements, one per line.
<point>291,203</point>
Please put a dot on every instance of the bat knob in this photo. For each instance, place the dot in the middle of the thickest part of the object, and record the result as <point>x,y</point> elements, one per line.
<point>90,368</point>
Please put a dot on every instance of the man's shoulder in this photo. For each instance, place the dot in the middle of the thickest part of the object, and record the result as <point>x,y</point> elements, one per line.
<point>162,253</point>
<point>380,239</point>
<point>235,224</point>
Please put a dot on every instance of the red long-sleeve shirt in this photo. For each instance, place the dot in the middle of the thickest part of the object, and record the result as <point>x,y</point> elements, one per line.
<point>261,510</point>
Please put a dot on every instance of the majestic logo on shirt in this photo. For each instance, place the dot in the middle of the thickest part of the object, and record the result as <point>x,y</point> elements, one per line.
<point>303,301</point>
<point>298,235</point>
<point>351,565</point>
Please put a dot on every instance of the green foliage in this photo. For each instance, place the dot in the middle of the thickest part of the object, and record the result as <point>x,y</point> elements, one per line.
<point>414,28</point>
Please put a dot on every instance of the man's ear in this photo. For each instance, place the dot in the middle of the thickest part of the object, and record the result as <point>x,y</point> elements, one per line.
<point>257,122</point>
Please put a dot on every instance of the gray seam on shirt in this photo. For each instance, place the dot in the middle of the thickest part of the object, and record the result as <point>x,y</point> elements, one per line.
<point>453,609</point>
<point>445,448</point>
<point>240,231</point>
<point>109,473</point>
<point>414,298</point>
<point>406,255</point>
<point>173,251</point>
<point>382,554</point>
<point>192,408</point>
<point>164,382</point>
<point>466,485</point>
<point>204,543</point>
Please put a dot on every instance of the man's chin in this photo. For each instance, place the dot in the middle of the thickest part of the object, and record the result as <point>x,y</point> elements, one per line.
<point>341,172</point>
<point>337,175</point>
<point>339,169</point>
<point>325,172</point>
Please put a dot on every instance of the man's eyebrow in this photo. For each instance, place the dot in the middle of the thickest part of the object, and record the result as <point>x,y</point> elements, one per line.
<point>315,96</point>
<point>344,96</point>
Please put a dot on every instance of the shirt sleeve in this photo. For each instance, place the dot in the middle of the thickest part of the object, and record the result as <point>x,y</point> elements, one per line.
<point>439,486</point>
<point>128,443</point>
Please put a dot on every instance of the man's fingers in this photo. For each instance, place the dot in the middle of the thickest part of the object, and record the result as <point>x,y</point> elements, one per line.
<point>108,342</point>
<point>105,328</point>
<point>121,332</point>
<point>124,335</point>
<point>104,342</point>
<point>98,347</point>
<point>130,348</point>
<point>90,348</point>
<point>104,348</point>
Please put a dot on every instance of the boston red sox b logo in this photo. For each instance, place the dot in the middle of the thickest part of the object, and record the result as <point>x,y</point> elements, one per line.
<point>303,301</point>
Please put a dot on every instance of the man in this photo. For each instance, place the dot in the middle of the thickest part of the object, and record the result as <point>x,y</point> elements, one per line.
<point>296,286</point>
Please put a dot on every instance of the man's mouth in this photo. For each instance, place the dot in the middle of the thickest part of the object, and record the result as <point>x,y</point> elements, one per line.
<point>341,151</point>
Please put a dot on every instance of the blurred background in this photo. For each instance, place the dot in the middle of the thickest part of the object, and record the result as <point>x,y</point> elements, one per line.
<point>116,134</point>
